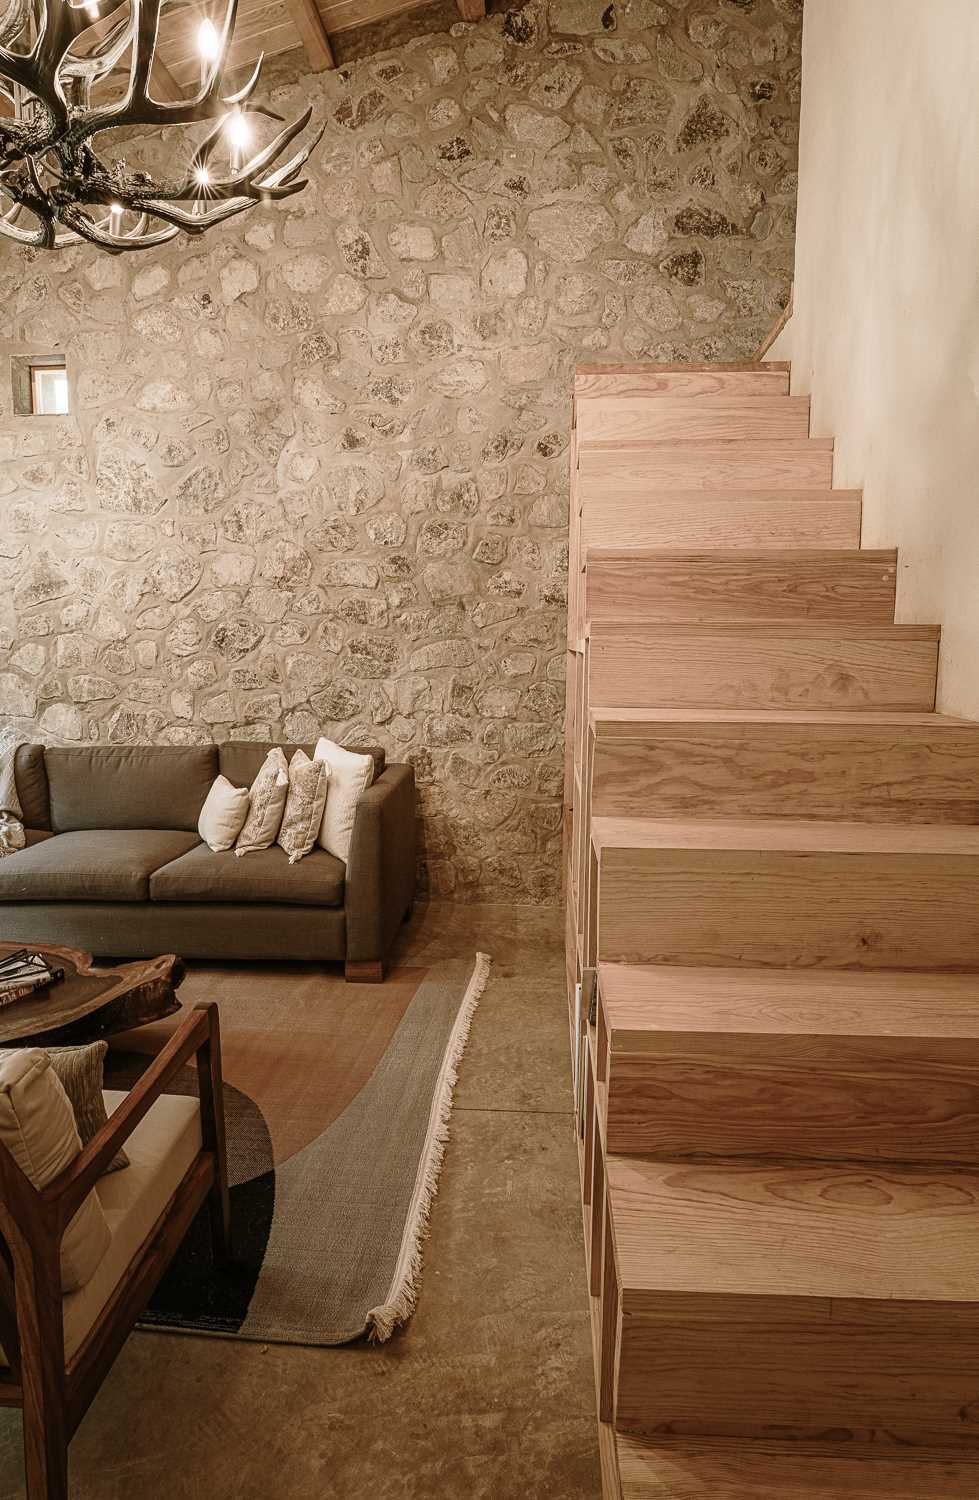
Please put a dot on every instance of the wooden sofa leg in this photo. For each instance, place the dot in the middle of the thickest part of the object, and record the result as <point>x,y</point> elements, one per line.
<point>364,971</point>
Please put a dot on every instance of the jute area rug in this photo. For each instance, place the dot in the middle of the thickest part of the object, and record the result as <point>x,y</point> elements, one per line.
<point>337,1100</point>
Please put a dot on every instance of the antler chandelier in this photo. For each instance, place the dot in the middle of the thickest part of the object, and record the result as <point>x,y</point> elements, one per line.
<point>56,188</point>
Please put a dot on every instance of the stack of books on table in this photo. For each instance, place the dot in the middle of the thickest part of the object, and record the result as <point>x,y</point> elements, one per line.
<point>25,973</point>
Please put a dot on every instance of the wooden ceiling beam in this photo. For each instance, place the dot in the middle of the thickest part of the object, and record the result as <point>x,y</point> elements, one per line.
<point>472,10</point>
<point>309,23</point>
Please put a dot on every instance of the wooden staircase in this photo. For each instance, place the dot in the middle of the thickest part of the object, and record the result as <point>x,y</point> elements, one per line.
<point>772,848</point>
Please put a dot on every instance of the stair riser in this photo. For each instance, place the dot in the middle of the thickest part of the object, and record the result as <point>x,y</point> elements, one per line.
<point>835,586</point>
<point>702,466</point>
<point>762,1372</point>
<point>775,908</point>
<point>852,1099</point>
<point>652,383</point>
<point>871,775</point>
<point>636,419</point>
<point>731,671</point>
<point>660,520</point>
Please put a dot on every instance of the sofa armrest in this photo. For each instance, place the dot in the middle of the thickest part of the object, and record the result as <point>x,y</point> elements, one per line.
<point>380,882</point>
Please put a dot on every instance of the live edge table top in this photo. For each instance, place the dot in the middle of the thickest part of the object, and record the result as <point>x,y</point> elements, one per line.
<point>90,1003</point>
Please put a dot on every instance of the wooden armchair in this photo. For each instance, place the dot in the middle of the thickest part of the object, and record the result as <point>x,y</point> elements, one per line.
<point>59,1347</point>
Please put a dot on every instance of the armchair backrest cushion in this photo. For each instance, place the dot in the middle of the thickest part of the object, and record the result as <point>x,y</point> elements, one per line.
<point>37,1128</point>
<point>129,786</point>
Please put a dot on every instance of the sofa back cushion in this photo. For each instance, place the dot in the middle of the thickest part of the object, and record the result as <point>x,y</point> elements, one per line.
<point>32,785</point>
<point>241,761</point>
<point>38,1129</point>
<point>129,786</point>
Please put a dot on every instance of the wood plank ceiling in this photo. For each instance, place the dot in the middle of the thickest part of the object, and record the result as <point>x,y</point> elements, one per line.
<point>273,27</point>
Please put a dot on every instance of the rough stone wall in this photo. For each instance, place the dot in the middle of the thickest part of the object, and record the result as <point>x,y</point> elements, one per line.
<point>315,475</point>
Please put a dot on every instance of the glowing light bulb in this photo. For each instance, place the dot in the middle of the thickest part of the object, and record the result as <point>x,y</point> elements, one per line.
<point>203,176</point>
<point>239,132</point>
<point>115,213</point>
<point>208,41</point>
<point>92,10</point>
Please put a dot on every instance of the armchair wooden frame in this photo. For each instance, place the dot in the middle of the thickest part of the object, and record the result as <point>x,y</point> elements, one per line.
<point>53,1393</point>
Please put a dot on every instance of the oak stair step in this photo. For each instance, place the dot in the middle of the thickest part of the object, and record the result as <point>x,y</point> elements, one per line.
<point>809,665</point>
<point>778,893</point>
<point>707,763</point>
<point>718,517</point>
<point>744,379</point>
<point>789,1064</point>
<point>655,586</point>
<point>794,1300</point>
<point>776,464</point>
<point>706,418</point>
<point>725,1469</point>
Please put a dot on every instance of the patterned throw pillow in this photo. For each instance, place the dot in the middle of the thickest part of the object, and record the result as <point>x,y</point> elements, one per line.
<point>308,783</point>
<point>80,1070</point>
<point>266,805</point>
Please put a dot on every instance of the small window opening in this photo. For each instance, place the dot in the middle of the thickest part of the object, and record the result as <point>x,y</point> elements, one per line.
<point>40,385</point>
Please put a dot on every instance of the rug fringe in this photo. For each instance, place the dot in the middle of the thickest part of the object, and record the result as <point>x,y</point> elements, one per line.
<point>403,1293</point>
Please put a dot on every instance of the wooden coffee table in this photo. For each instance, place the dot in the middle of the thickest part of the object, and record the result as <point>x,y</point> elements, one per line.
<point>90,1003</point>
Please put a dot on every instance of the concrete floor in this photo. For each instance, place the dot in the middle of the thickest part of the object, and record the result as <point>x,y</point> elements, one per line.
<point>487,1394</point>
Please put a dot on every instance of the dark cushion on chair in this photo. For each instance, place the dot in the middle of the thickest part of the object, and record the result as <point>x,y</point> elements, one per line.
<point>264,875</point>
<point>32,785</point>
<point>94,865</point>
<point>129,786</point>
<point>240,761</point>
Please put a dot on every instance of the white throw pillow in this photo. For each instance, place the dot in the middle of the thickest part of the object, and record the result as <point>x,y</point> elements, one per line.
<point>38,1128</point>
<point>223,814</point>
<point>350,774</point>
<point>267,803</point>
<point>305,805</point>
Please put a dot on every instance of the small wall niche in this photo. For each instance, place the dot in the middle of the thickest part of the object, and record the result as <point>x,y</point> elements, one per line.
<point>40,385</point>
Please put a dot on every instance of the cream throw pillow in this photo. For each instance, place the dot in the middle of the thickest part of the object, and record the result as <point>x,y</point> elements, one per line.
<point>223,814</point>
<point>350,775</point>
<point>267,802</point>
<point>305,804</point>
<point>38,1129</point>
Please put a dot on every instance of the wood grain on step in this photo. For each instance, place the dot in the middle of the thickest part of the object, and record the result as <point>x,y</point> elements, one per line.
<point>739,584</point>
<point>797,1300</point>
<point>773,465</point>
<point>637,419</point>
<point>726,906</point>
<point>716,518</point>
<point>764,666</point>
<point>678,1469</point>
<point>925,770</point>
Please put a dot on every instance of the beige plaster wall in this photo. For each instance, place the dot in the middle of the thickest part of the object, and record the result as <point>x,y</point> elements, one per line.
<point>885,332</point>
<point>316,473</point>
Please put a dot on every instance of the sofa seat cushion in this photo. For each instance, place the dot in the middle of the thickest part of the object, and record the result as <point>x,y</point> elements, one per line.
<point>96,865</point>
<point>161,1150</point>
<point>263,875</point>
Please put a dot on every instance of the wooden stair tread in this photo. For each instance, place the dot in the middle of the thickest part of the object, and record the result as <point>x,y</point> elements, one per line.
<point>733,497</point>
<point>812,1235</point>
<point>602,453</point>
<point>765,630</point>
<point>724,1469</point>
<point>730,585</point>
<point>784,835</point>
<point>682,367</point>
<point>611,722</point>
<point>641,1002</point>
<point>761,557</point>
<point>706,418</point>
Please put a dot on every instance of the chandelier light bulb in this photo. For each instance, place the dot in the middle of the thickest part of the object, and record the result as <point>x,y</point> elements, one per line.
<point>239,132</point>
<point>92,10</point>
<point>203,176</point>
<point>208,41</point>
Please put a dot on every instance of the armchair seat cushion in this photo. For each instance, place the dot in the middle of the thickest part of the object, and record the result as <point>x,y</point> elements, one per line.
<point>262,875</point>
<point>93,865</point>
<point>161,1150</point>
